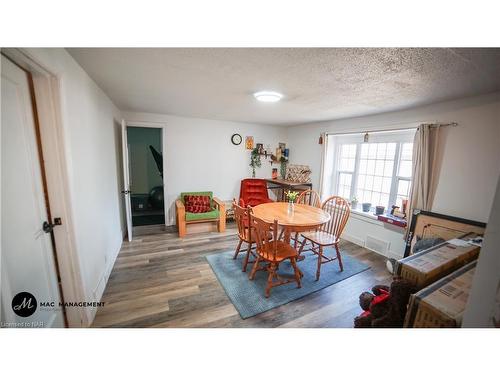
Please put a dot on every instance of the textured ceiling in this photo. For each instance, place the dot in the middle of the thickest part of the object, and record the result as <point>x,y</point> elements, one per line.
<point>318,83</point>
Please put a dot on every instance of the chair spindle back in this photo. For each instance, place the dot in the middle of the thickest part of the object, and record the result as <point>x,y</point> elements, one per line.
<point>309,197</point>
<point>266,245</point>
<point>339,210</point>
<point>242,218</point>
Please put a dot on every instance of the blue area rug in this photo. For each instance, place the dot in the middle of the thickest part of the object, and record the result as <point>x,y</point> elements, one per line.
<point>248,296</point>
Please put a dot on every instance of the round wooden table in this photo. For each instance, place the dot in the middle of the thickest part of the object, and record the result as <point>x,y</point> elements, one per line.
<point>301,219</point>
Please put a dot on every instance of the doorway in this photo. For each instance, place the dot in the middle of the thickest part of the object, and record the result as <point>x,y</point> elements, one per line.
<point>29,265</point>
<point>146,175</point>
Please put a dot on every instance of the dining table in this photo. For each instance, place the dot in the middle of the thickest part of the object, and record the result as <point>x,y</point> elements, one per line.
<point>292,218</point>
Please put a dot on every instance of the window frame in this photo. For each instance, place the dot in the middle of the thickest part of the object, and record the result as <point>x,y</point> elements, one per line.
<point>398,137</point>
<point>397,175</point>
<point>339,171</point>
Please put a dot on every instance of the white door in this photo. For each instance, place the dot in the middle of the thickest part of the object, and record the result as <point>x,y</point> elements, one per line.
<point>126,181</point>
<point>28,267</point>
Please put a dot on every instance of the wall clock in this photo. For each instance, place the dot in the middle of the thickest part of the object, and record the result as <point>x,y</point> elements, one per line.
<point>236,139</point>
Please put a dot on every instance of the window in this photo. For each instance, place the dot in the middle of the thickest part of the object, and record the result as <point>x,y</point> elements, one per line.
<point>376,167</point>
<point>404,173</point>
<point>347,161</point>
<point>378,171</point>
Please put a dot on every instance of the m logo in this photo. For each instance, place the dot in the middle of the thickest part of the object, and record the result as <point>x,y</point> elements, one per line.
<point>24,304</point>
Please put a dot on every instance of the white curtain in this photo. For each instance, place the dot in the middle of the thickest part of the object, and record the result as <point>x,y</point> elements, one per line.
<point>426,167</point>
<point>324,186</point>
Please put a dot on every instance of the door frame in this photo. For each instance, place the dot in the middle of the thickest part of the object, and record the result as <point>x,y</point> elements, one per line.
<point>163,127</point>
<point>126,181</point>
<point>47,87</point>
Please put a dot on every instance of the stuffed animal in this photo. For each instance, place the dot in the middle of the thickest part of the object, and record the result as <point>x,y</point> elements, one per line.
<point>386,306</point>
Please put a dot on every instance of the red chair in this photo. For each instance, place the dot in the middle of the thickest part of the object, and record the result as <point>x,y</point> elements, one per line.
<point>253,191</point>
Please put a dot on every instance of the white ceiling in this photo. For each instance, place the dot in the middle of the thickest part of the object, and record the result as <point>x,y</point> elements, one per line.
<point>318,83</point>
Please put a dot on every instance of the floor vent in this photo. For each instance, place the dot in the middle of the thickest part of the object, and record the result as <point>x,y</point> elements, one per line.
<point>377,245</point>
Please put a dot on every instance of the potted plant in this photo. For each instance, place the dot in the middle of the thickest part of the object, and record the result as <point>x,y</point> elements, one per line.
<point>354,203</point>
<point>366,206</point>
<point>291,196</point>
<point>255,160</point>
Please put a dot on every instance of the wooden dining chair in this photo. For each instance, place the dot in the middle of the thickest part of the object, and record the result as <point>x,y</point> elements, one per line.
<point>329,233</point>
<point>272,251</point>
<point>245,233</point>
<point>309,197</point>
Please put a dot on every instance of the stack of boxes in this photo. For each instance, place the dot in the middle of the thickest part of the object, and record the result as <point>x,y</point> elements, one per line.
<point>443,274</point>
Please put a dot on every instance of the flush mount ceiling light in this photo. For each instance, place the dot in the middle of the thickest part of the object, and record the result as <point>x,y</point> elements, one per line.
<point>268,96</point>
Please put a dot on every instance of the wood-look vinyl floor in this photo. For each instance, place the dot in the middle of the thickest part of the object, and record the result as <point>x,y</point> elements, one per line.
<point>160,280</point>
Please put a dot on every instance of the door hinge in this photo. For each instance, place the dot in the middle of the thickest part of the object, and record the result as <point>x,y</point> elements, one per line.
<point>48,227</point>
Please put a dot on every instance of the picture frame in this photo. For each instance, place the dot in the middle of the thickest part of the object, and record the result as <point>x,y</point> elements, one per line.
<point>249,145</point>
<point>444,226</point>
<point>278,154</point>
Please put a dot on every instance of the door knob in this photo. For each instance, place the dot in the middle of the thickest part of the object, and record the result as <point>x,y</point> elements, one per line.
<point>48,227</point>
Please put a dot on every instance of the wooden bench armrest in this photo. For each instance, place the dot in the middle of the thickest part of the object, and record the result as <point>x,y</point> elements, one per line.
<point>180,217</point>
<point>179,206</point>
<point>221,224</point>
<point>220,204</point>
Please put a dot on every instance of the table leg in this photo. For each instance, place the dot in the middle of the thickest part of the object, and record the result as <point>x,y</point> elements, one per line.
<point>287,236</point>
<point>300,257</point>
<point>286,239</point>
<point>296,237</point>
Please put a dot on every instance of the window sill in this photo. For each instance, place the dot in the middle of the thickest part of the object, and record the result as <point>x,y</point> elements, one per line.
<point>371,218</point>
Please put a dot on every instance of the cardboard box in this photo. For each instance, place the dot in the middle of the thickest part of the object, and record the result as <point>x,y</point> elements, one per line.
<point>430,265</point>
<point>441,305</point>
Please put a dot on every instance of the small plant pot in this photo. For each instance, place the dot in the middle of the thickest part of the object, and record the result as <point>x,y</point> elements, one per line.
<point>379,210</point>
<point>354,205</point>
<point>366,207</point>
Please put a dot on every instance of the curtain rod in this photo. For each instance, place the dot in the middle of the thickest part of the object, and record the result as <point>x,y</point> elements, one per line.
<point>441,123</point>
<point>393,130</point>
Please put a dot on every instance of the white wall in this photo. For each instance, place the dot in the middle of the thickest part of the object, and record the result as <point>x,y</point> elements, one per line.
<point>471,161</point>
<point>200,155</point>
<point>91,145</point>
<point>482,305</point>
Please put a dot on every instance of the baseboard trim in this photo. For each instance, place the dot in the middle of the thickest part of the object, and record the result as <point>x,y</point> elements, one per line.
<point>103,281</point>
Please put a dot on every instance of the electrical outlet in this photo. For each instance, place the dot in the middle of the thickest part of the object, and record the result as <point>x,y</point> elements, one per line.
<point>141,205</point>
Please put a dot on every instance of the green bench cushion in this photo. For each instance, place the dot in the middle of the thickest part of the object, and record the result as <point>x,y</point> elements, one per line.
<point>210,215</point>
